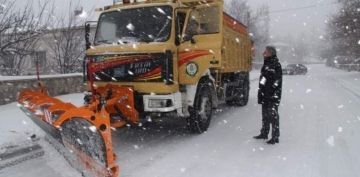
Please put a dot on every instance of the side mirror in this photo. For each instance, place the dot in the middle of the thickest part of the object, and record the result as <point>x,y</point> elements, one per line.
<point>187,37</point>
<point>88,39</point>
<point>87,35</point>
<point>190,37</point>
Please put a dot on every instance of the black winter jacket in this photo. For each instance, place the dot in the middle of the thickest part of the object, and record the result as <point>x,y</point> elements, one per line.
<point>270,83</point>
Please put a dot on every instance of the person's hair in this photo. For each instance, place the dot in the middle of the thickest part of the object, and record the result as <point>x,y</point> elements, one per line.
<point>272,50</point>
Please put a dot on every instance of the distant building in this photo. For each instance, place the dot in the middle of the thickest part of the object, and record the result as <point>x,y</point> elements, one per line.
<point>43,54</point>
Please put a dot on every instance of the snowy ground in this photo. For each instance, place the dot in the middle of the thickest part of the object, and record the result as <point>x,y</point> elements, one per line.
<point>320,136</point>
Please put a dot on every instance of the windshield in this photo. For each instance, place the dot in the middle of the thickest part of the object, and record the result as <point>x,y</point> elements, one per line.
<point>146,24</point>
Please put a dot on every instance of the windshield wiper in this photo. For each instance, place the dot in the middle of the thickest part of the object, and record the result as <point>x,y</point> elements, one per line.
<point>162,30</point>
<point>146,38</point>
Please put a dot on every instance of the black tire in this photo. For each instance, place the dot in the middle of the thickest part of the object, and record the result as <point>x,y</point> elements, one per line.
<point>201,112</point>
<point>241,92</point>
<point>242,97</point>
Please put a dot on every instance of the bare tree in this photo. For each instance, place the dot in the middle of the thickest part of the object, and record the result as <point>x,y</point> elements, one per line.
<point>258,21</point>
<point>67,44</point>
<point>239,9</point>
<point>343,29</point>
<point>300,47</point>
<point>20,29</point>
<point>259,25</point>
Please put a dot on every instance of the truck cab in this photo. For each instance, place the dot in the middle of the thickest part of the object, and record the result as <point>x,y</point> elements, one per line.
<point>182,58</point>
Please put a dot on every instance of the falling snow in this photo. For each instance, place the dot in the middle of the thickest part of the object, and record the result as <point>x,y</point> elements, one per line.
<point>134,46</point>
<point>330,141</point>
<point>79,141</point>
<point>161,11</point>
<point>130,27</point>
<point>340,129</point>
<point>93,128</point>
<point>301,106</point>
<point>83,14</point>
<point>263,81</point>
<point>166,148</point>
<point>308,90</point>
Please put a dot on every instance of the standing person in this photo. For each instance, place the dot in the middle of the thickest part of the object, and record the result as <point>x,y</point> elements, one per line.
<point>269,95</point>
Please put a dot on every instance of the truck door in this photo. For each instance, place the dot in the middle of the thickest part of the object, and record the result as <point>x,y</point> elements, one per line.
<point>200,40</point>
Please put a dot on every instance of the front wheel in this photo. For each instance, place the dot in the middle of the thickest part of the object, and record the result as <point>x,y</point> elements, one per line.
<point>200,114</point>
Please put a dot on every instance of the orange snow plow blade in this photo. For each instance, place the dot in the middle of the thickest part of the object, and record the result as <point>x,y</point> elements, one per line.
<point>85,131</point>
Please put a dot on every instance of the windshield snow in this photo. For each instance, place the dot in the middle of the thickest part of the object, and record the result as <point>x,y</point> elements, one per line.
<point>146,24</point>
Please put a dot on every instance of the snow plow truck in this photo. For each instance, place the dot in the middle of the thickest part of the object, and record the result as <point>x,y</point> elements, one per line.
<point>148,59</point>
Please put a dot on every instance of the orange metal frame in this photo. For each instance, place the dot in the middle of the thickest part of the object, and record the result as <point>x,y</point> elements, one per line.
<point>97,112</point>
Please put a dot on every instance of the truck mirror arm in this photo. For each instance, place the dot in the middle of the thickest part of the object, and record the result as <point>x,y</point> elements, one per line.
<point>177,41</point>
<point>189,37</point>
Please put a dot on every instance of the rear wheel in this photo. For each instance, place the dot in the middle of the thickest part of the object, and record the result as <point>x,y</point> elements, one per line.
<point>240,93</point>
<point>200,114</point>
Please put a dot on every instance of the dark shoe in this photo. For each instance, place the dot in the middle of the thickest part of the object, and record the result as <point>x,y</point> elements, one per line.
<point>273,141</point>
<point>261,136</point>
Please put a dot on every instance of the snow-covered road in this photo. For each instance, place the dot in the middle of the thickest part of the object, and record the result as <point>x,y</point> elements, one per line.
<point>320,136</point>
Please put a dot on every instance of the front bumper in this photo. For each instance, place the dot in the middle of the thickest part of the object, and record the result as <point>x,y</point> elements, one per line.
<point>163,103</point>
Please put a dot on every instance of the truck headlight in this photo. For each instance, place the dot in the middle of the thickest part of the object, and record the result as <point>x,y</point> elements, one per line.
<point>160,103</point>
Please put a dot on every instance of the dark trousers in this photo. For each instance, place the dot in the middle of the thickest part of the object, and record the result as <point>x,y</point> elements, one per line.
<point>270,116</point>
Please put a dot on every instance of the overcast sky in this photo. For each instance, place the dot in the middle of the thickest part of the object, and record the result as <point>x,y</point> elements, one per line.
<point>310,19</point>
<point>293,17</point>
<point>288,22</point>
